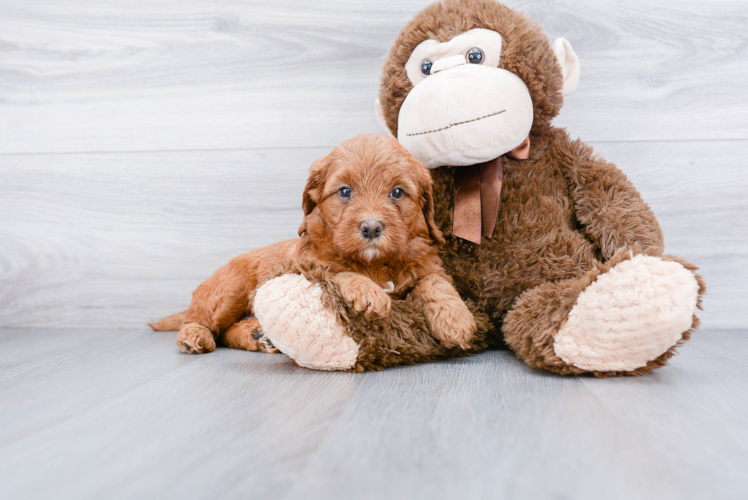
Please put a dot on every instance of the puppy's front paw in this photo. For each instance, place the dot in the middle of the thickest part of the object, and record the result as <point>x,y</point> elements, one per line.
<point>451,322</point>
<point>371,300</point>
<point>195,339</point>
<point>363,295</point>
<point>447,316</point>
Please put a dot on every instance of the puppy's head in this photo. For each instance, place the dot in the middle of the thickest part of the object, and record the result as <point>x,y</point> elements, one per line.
<point>370,201</point>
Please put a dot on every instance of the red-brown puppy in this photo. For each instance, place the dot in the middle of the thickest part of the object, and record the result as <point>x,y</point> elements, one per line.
<point>368,217</point>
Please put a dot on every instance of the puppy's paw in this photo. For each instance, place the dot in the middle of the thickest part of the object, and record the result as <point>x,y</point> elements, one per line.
<point>247,334</point>
<point>370,300</point>
<point>363,295</point>
<point>447,316</point>
<point>451,322</point>
<point>195,339</point>
<point>263,343</point>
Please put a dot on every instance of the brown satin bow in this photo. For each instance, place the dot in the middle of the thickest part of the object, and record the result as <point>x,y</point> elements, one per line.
<point>478,194</point>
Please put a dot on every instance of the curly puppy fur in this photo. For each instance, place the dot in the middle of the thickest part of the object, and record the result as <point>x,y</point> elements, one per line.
<point>566,214</point>
<point>370,179</point>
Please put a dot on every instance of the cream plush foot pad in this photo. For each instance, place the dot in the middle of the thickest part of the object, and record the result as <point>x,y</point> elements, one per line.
<point>630,315</point>
<point>291,313</point>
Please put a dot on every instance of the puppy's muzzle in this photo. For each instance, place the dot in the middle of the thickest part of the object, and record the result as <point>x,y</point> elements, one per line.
<point>371,229</point>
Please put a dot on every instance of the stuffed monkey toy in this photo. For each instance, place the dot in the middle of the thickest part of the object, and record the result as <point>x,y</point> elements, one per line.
<point>550,245</point>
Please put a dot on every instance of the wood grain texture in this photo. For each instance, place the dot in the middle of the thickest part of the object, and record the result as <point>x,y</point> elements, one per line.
<point>199,74</point>
<point>120,239</point>
<point>92,239</point>
<point>123,414</point>
<point>142,144</point>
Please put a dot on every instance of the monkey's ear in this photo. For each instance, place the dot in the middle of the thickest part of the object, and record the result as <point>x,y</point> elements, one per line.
<point>427,193</point>
<point>315,185</point>
<point>569,62</point>
<point>380,117</point>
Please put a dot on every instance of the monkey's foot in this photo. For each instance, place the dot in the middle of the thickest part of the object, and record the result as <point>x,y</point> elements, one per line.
<point>295,319</point>
<point>629,315</point>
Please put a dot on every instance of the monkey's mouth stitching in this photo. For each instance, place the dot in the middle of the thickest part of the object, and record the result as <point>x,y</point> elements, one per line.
<point>455,124</point>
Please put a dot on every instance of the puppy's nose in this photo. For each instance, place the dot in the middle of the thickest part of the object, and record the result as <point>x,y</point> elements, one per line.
<point>371,228</point>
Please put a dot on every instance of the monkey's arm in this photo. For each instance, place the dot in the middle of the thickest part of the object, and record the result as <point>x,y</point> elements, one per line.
<point>304,314</point>
<point>606,203</point>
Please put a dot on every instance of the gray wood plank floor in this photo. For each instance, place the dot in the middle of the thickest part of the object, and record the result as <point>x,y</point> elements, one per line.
<point>99,413</point>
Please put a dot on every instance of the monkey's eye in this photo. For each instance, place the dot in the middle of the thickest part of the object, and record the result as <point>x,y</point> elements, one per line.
<point>345,192</point>
<point>426,67</point>
<point>397,193</point>
<point>474,56</point>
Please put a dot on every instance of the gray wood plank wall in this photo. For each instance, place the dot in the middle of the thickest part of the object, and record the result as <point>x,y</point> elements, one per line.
<point>142,144</point>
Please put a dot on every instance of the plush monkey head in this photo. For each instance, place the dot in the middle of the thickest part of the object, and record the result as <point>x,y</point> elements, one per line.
<point>467,80</point>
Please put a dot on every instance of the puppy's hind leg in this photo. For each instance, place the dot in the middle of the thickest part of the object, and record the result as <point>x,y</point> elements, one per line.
<point>217,304</point>
<point>195,339</point>
<point>247,334</point>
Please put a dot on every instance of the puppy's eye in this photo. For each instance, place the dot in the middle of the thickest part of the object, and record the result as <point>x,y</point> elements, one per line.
<point>397,193</point>
<point>345,192</point>
<point>426,67</point>
<point>474,56</point>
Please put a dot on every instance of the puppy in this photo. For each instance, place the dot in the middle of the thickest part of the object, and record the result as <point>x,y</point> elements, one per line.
<point>368,218</point>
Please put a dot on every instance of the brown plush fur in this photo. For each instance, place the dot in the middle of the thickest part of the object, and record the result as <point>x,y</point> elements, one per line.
<point>401,338</point>
<point>566,215</point>
<point>540,312</point>
<point>405,253</point>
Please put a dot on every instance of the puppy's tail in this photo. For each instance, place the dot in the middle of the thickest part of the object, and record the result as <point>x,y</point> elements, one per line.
<point>170,323</point>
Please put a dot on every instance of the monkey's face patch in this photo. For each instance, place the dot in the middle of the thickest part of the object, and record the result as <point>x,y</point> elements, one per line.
<point>463,109</point>
<point>477,46</point>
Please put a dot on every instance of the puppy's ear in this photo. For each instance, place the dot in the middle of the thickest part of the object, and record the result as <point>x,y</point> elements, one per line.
<point>427,194</point>
<point>315,185</point>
